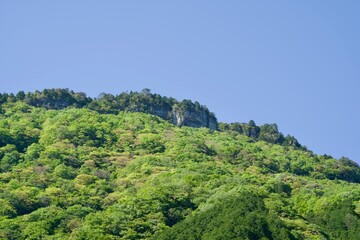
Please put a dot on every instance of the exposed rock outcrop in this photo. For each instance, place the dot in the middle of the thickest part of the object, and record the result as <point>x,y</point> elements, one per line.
<point>193,118</point>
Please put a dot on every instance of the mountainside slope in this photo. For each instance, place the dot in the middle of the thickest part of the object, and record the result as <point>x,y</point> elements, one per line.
<point>80,174</point>
<point>184,113</point>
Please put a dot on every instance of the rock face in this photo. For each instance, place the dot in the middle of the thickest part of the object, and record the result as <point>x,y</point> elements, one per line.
<point>163,112</point>
<point>194,118</point>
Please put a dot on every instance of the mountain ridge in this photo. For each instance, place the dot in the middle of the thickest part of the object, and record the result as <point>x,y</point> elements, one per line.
<point>82,173</point>
<point>179,113</point>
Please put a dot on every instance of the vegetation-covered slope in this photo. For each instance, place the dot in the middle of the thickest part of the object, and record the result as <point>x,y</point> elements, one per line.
<point>184,113</point>
<point>75,173</point>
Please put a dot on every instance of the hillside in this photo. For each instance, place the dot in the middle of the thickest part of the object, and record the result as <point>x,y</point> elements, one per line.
<point>184,113</point>
<point>123,167</point>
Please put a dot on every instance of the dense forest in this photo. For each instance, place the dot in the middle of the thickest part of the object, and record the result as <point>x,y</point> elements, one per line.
<point>184,113</point>
<point>144,166</point>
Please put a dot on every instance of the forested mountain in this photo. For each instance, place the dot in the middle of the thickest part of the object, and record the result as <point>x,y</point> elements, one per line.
<point>143,166</point>
<point>184,113</point>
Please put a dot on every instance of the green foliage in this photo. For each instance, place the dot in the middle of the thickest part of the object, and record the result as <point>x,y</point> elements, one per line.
<point>239,215</point>
<point>267,132</point>
<point>76,168</point>
<point>105,103</point>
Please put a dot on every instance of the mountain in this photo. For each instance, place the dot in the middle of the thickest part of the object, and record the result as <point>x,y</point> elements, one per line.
<point>143,166</point>
<point>183,113</point>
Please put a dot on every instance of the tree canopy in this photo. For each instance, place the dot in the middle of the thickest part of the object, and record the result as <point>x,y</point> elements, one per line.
<point>94,171</point>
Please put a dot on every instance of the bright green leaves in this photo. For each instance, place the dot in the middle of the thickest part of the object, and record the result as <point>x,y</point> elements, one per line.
<point>75,173</point>
<point>150,143</point>
<point>237,215</point>
<point>79,127</point>
<point>9,157</point>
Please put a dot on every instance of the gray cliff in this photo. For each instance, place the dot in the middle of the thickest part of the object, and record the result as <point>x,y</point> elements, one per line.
<point>193,118</point>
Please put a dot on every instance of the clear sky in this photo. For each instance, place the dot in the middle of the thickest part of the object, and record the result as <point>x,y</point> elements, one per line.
<point>294,63</point>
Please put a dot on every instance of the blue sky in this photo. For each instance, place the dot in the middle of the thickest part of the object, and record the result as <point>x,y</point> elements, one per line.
<point>294,63</point>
